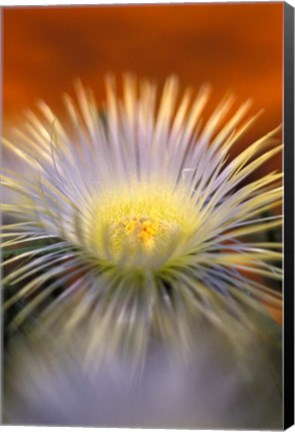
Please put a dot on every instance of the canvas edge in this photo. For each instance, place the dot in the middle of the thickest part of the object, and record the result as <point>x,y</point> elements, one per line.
<point>288,215</point>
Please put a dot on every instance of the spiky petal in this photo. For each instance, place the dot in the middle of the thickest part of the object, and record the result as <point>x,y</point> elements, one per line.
<point>137,221</point>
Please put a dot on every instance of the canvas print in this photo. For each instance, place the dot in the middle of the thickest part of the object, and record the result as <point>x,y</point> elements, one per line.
<point>142,216</point>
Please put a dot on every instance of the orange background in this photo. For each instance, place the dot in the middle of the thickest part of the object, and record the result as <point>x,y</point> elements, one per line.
<point>234,47</point>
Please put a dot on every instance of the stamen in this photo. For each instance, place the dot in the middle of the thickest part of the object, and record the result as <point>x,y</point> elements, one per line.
<point>137,232</point>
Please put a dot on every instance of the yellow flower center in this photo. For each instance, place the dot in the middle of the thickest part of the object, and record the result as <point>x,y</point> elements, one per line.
<point>138,221</point>
<point>136,233</point>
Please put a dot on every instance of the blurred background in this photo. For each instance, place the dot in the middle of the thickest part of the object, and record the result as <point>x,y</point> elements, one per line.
<point>234,47</point>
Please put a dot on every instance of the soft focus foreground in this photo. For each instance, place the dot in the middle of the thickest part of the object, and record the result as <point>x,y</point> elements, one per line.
<point>47,384</point>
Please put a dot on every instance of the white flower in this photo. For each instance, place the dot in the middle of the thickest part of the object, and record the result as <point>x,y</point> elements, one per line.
<point>144,221</point>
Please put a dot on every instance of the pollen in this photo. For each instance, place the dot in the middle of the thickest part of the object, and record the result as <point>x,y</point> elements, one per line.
<point>139,232</point>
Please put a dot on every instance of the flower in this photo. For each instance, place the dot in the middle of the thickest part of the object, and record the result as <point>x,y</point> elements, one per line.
<point>137,222</point>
